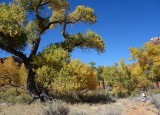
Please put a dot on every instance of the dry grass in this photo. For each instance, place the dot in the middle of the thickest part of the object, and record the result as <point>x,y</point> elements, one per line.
<point>56,107</point>
<point>21,109</point>
<point>74,109</point>
<point>121,107</point>
<point>95,109</point>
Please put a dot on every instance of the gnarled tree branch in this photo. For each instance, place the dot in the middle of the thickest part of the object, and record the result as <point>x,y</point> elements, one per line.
<point>65,23</point>
<point>12,50</point>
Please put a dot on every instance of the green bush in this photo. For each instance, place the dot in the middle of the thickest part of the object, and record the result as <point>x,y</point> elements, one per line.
<point>97,97</point>
<point>88,97</point>
<point>13,96</point>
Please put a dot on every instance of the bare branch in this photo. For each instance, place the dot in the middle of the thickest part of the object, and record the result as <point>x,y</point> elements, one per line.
<point>49,24</point>
<point>73,22</point>
<point>64,27</point>
<point>41,26</point>
<point>35,48</point>
<point>37,42</point>
<point>14,52</point>
<point>64,30</point>
<point>65,22</point>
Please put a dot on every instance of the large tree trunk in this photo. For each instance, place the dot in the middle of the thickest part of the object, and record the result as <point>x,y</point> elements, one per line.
<point>31,85</point>
<point>32,88</point>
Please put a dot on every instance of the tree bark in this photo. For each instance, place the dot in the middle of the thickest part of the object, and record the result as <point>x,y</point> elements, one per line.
<point>31,85</point>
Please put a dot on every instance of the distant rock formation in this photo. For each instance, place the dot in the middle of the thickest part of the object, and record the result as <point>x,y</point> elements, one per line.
<point>16,59</point>
<point>155,40</point>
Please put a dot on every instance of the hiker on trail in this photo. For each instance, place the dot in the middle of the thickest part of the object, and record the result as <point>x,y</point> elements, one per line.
<point>144,98</point>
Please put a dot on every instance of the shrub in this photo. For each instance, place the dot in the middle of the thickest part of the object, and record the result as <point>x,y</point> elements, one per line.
<point>91,97</point>
<point>56,108</point>
<point>11,95</point>
<point>155,100</point>
<point>88,97</point>
<point>97,97</point>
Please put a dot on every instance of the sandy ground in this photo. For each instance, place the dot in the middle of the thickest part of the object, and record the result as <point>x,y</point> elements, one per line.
<point>123,106</point>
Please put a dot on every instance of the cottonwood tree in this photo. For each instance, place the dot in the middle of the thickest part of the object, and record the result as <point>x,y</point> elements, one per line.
<point>61,74</point>
<point>17,31</point>
<point>148,60</point>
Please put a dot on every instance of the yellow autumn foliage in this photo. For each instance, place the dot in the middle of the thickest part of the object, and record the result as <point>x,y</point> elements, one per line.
<point>76,76</point>
<point>148,59</point>
<point>12,74</point>
<point>58,73</point>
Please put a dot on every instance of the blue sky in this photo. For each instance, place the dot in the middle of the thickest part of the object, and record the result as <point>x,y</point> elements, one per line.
<point>121,23</point>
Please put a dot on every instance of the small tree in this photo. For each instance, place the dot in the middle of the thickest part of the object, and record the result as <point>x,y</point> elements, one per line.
<point>12,74</point>
<point>16,32</point>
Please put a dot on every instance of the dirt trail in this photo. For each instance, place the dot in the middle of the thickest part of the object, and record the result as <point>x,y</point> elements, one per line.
<point>140,110</point>
<point>126,106</point>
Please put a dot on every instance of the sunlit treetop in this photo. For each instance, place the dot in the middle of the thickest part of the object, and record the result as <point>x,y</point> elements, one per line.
<point>88,40</point>
<point>11,19</point>
<point>85,14</point>
<point>17,29</point>
<point>31,5</point>
<point>148,59</point>
<point>12,30</point>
